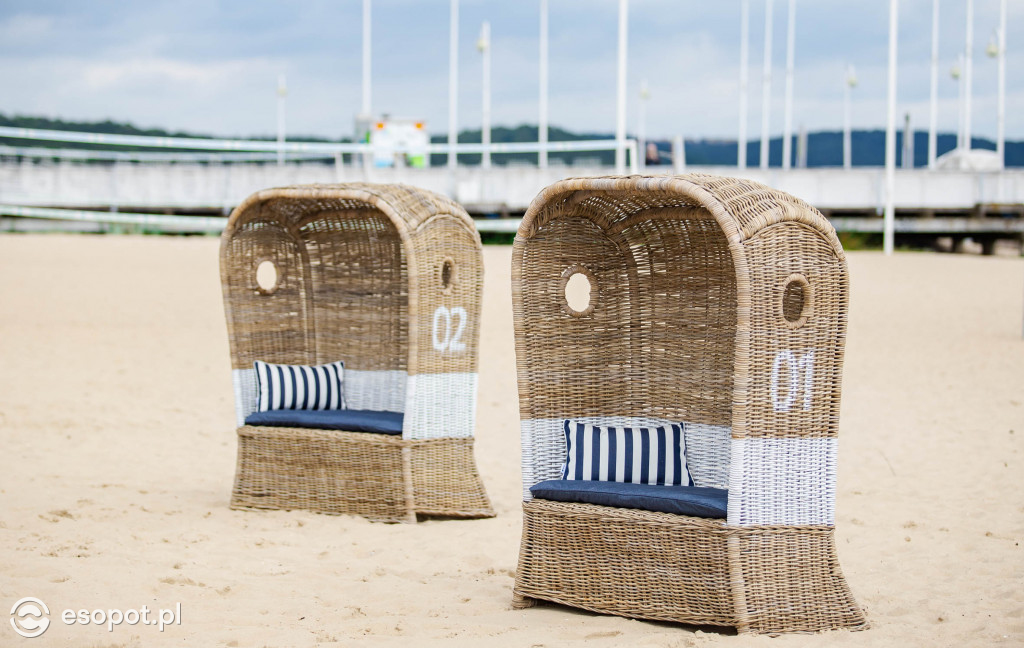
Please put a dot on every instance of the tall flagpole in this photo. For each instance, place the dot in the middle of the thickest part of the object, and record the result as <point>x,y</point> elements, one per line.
<point>453,84</point>
<point>933,118</point>
<point>741,142</point>
<point>366,59</point>
<point>787,128</point>
<point>542,123</point>
<point>282,93</point>
<point>890,135</point>
<point>958,75</point>
<point>641,127</point>
<point>968,65</point>
<point>848,85</point>
<point>766,84</point>
<point>1001,120</point>
<point>620,104</point>
<point>484,45</point>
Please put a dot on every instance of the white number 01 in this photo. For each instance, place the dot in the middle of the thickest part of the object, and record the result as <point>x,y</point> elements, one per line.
<point>442,334</point>
<point>796,366</point>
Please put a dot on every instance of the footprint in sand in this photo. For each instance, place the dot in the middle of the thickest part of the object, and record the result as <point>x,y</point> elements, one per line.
<point>170,580</point>
<point>57,516</point>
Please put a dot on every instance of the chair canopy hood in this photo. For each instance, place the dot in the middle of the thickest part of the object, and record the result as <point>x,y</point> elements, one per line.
<point>386,278</point>
<point>715,301</point>
<point>407,207</point>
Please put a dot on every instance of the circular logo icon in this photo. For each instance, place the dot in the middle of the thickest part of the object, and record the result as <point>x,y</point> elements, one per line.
<point>28,616</point>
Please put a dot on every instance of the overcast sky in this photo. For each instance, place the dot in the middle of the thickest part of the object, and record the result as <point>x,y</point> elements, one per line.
<point>212,67</point>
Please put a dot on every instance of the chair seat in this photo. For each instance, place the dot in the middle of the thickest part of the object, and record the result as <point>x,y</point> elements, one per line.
<point>346,420</point>
<point>681,500</point>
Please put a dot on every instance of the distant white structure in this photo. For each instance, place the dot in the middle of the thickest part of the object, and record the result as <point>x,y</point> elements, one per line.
<point>396,141</point>
<point>969,160</point>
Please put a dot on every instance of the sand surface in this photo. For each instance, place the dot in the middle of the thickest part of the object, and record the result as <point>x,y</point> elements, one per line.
<point>117,451</point>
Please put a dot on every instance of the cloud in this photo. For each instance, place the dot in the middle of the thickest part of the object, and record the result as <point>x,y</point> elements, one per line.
<point>123,75</point>
<point>212,67</point>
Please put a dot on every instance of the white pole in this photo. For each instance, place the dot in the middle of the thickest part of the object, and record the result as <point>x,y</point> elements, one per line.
<point>968,63</point>
<point>679,154</point>
<point>365,113</point>
<point>282,92</point>
<point>542,122</point>
<point>366,59</point>
<point>741,143</point>
<point>641,127</point>
<point>620,104</point>
<point>1001,120</point>
<point>890,134</point>
<point>484,45</point>
<point>766,83</point>
<point>848,85</point>
<point>957,74</point>
<point>453,83</point>
<point>787,128</point>
<point>908,143</point>
<point>933,119</point>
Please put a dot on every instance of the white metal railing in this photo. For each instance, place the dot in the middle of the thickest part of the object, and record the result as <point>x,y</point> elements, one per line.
<point>39,152</point>
<point>157,221</point>
<point>171,223</point>
<point>325,148</point>
<point>215,224</point>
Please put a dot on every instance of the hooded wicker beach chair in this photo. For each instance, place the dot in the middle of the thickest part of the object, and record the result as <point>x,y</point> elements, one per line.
<point>716,304</point>
<point>386,279</point>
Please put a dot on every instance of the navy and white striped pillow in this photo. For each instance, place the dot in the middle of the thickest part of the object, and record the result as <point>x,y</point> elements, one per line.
<point>299,387</point>
<point>632,455</point>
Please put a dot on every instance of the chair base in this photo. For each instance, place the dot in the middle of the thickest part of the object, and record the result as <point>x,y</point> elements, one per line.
<point>689,570</point>
<point>381,477</point>
<point>445,479</point>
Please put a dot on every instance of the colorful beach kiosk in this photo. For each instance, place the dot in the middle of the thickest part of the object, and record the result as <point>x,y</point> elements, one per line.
<point>353,316</point>
<point>679,431</point>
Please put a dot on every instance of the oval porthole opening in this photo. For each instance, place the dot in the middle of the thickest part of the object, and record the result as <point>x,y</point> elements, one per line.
<point>796,300</point>
<point>447,275</point>
<point>579,291</point>
<point>267,277</point>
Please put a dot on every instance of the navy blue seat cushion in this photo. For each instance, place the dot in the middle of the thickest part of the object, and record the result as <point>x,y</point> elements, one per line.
<point>681,500</point>
<point>345,419</point>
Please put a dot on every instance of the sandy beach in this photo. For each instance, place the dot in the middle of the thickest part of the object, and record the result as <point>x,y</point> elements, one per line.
<point>117,455</point>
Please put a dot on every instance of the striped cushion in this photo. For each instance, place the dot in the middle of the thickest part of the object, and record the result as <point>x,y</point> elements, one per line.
<point>299,387</point>
<point>631,455</point>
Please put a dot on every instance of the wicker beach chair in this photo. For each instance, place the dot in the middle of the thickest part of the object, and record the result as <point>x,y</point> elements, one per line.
<point>717,303</point>
<point>387,279</point>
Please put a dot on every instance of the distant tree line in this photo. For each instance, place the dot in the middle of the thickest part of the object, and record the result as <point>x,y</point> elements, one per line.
<point>824,148</point>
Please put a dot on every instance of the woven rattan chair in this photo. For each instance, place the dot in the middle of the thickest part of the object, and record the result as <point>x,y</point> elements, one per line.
<point>388,279</point>
<point>717,302</point>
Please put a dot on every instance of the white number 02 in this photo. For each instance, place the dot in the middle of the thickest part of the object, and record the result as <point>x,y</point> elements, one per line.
<point>804,365</point>
<point>442,334</point>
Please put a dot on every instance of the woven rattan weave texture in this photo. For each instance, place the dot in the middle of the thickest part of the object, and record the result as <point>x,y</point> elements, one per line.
<point>718,302</point>
<point>388,279</point>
